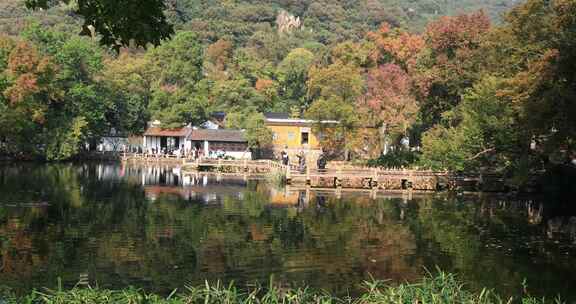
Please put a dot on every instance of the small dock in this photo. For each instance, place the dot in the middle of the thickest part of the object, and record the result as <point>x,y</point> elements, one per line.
<point>370,178</point>
<point>341,177</point>
<point>394,179</point>
<point>263,166</point>
<point>153,158</point>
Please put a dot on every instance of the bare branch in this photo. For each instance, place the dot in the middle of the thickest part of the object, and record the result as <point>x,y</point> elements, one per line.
<point>481,153</point>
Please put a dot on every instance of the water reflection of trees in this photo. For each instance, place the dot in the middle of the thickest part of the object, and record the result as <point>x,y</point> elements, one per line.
<point>498,242</point>
<point>109,229</point>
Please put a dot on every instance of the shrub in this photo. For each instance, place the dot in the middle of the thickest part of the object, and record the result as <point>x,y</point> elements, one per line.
<point>398,158</point>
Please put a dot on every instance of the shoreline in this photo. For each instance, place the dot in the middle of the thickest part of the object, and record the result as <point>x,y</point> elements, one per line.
<point>458,185</point>
<point>436,288</point>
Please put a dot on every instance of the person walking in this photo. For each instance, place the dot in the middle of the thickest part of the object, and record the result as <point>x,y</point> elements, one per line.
<point>321,162</point>
<point>301,162</point>
<point>285,158</point>
<point>194,154</point>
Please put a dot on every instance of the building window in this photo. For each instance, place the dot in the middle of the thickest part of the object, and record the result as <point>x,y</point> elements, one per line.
<point>275,136</point>
<point>304,138</point>
<point>290,135</point>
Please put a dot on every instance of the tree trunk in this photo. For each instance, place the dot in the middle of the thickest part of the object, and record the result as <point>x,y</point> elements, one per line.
<point>384,138</point>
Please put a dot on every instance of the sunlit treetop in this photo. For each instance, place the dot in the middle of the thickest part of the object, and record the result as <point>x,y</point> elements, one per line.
<point>119,22</point>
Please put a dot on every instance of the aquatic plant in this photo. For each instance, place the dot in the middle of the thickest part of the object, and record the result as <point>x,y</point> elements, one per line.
<point>277,177</point>
<point>434,289</point>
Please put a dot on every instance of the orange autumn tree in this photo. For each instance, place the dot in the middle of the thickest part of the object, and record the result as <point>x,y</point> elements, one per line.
<point>395,46</point>
<point>450,62</point>
<point>217,59</point>
<point>46,102</point>
<point>31,90</point>
<point>390,102</point>
<point>268,89</point>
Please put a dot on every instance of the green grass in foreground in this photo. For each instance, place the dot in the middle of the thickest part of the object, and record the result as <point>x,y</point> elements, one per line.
<point>441,288</point>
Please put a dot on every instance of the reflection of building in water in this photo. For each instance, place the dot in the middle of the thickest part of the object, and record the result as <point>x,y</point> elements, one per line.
<point>108,172</point>
<point>159,175</point>
<point>162,179</point>
<point>145,175</point>
<point>557,220</point>
<point>204,187</point>
<point>283,197</point>
<point>211,194</point>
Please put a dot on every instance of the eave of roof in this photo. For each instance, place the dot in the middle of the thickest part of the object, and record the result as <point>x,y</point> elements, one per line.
<point>299,121</point>
<point>157,131</point>
<point>218,135</point>
<point>276,115</point>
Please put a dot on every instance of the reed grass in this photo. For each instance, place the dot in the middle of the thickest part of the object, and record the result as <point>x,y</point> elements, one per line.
<point>277,178</point>
<point>434,289</point>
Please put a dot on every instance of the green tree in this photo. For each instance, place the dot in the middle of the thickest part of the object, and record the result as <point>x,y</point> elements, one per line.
<point>359,54</point>
<point>336,138</point>
<point>293,75</point>
<point>129,83</point>
<point>80,63</point>
<point>178,62</point>
<point>237,93</point>
<point>543,87</point>
<point>45,122</point>
<point>259,137</point>
<point>175,109</point>
<point>531,103</point>
<point>120,23</point>
<point>483,132</point>
<point>176,68</point>
<point>343,81</point>
<point>251,66</point>
<point>55,96</point>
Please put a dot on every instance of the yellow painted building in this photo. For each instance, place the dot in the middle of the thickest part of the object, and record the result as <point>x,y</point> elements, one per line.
<point>294,135</point>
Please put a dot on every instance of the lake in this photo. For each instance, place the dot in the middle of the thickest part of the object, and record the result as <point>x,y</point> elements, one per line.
<point>153,228</point>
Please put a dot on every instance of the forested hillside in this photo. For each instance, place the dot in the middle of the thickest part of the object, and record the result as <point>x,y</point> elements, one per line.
<point>473,93</point>
<point>327,21</point>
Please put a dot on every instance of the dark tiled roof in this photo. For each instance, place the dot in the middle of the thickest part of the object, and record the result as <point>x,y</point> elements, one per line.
<point>156,131</point>
<point>218,135</point>
<point>269,115</point>
<point>218,115</point>
<point>275,115</point>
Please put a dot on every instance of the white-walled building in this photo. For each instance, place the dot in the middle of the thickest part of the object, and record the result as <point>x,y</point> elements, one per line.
<point>207,142</point>
<point>231,142</point>
<point>158,139</point>
<point>112,144</point>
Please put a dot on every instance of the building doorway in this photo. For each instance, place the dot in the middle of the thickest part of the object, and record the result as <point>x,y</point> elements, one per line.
<point>304,138</point>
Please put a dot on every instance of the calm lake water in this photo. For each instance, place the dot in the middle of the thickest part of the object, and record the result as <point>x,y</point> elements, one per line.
<point>153,228</point>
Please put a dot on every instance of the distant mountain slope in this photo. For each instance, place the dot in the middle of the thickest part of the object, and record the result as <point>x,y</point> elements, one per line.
<point>325,21</point>
<point>329,20</point>
<point>14,16</point>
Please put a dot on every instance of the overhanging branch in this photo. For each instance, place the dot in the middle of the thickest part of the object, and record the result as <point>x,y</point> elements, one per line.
<point>481,153</point>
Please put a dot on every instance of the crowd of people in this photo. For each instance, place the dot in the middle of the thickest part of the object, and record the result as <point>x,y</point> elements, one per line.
<point>321,162</point>
<point>182,152</point>
<point>196,153</point>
